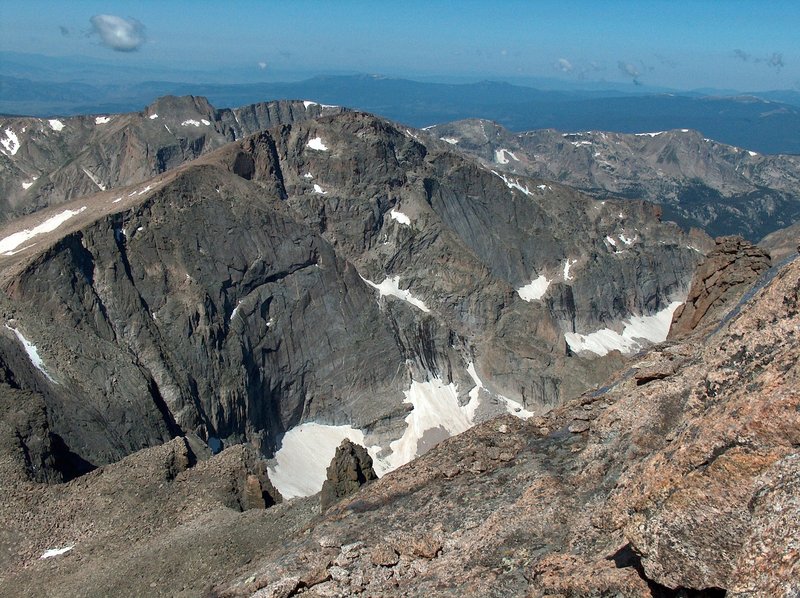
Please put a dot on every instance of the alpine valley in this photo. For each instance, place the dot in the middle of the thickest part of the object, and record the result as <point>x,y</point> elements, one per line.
<point>512,363</point>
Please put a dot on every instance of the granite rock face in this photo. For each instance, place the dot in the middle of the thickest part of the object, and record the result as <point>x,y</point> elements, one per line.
<point>350,469</point>
<point>238,295</point>
<point>56,160</point>
<point>723,189</point>
<point>728,271</point>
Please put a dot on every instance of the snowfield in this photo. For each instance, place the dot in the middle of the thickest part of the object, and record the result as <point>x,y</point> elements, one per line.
<point>535,289</point>
<point>400,217</point>
<point>391,286</point>
<point>11,242</point>
<point>317,144</point>
<point>31,351</point>
<point>10,143</point>
<point>304,456</point>
<point>652,329</point>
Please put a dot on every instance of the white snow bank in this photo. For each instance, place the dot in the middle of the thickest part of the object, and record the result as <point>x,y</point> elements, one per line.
<point>611,240</point>
<point>501,156</point>
<point>752,153</point>
<point>308,175</point>
<point>31,351</point>
<point>512,184</point>
<point>317,144</point>
<point>56,124</point>
<point>638,331</point>
<point>535,289</point>
<point>11,242</point>
<point>450,140</point>
<point>304,456</point>
<point>101,120</point>
<point>56,552</point>
<point>95,180</point>
<point>195,123</point>
<point>153,116</point>
<point>29,184</point>
<point>10,142</point>
<point>400,217</point>
<point>391,286</point>
<point>436,409</point>
<point>656,134</point>
<point>318,189</point>
<point>568,263</point>
<point>628,240</point>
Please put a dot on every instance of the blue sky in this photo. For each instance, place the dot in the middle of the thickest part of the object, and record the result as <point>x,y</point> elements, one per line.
<point>739,44</point>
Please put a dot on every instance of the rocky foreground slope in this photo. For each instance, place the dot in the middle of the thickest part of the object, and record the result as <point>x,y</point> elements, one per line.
<point>723,189</point>
<point>679,477</point>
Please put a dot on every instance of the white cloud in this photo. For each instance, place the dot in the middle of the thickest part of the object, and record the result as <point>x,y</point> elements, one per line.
<point>118,33</point>
<point>563,65</point>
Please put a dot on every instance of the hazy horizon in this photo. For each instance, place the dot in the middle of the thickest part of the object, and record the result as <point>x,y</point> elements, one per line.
<point>744,45</point>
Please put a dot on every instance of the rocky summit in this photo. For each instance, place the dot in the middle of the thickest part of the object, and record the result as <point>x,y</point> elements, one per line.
<point>316,352</point>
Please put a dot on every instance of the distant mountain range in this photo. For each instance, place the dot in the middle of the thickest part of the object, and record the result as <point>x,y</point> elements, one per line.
<point>724,189</point>
<point>767,122</point>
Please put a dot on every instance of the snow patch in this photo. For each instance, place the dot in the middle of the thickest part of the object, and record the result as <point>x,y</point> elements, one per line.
<point>56,552</point>
<point>153,116</point>
<point>32,352</point>
<point>11,242</point>
<point>611,240</point>
<point>317,144</point>
<point>752,153</point>
<point>627,240</point>
<point>656,134</point>
<point>308,175</point>
<point>512,184</point>
<point>391,286</point>
<point>308,103</point>
<point>435,408</point>
<point>567,265</point>
<point>10,142</point>
<point>205,122</point>
<point>501,156</point>
<point>450,140</point>
<point>637,332</point>
<point>318,189</point>
<point>119,199</point>
<point>101,120</point>
<point>515,409</point>
<point>305,453</point>
<point>535,289</point>
<point>192,122</point>
<point>580,143</point>
<point>95,180</point>
<point>29,184</point>
<point>56,124</point>
<point>400,217</point>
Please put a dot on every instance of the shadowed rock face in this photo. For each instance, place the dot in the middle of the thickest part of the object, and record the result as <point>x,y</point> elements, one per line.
<point>782,243</point>
<point>728,271</point>
<point>723,189</point>
<point>350,469</point>
<point>227,297</point>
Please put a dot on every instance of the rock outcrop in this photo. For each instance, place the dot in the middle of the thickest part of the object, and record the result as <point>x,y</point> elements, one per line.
<point>728,271</point>
<point>350,469</point>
